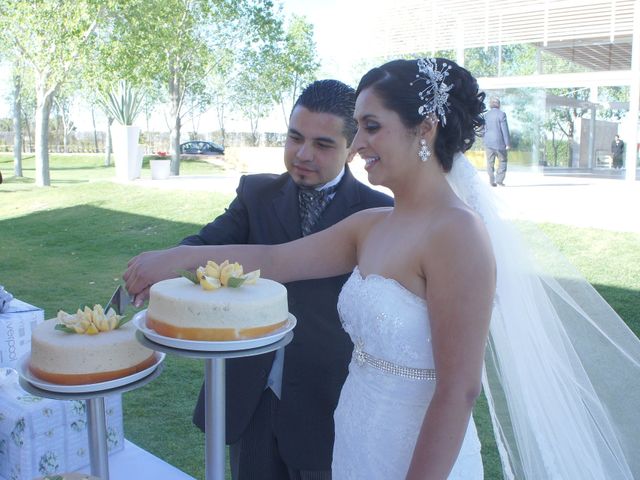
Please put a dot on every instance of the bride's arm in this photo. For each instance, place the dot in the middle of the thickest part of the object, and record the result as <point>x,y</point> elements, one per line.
<point>325,254</point>
<point>460,277</point>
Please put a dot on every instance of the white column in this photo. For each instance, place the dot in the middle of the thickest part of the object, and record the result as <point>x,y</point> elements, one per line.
<point>633,138</point>
<point>591,153</point>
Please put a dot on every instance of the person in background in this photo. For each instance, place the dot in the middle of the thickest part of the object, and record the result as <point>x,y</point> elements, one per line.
<point>617,152</point>
<point>496,142</point>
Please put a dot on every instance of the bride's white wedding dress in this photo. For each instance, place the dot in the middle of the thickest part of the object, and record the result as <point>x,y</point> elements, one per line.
<point>389,386</point>
<point>558,366</point>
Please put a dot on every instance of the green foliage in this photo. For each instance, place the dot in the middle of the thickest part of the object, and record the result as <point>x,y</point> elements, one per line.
<point>557,152</point>
<point>506,60</point>
<point>54,39</point>
<point>123,104</point>
<point>64,328</point>
<point>551,63</point>
<point>189,275</point>
<point>177,45</point>
<point>295,64</point>
<point>52,36</point>
<point>613,94</point>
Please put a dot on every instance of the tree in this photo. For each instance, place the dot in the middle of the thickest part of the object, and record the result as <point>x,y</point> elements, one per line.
<point>62,108</point>
<point>253,87</point>
<point>221,99</point>
<point>17,121</point>
<point>179,43</point>
<point>296,63</point>
<point>52,37</point>
<point>518,59</point>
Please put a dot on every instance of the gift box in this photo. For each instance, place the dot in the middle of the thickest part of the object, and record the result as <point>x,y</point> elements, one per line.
<point>16,322</point>
<point>41,436</point>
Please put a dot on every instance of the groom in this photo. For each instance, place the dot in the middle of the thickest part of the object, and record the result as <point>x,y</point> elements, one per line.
<point>280,405</point>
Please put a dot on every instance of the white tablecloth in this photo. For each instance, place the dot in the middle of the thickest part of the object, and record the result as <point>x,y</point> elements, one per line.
<point>135,463</point>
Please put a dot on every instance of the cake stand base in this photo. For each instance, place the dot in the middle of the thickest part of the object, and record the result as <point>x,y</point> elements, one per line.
<point>215,394</point>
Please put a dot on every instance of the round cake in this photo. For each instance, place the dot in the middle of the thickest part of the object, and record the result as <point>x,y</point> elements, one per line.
<point>75,359</point>
<point>179,308</point>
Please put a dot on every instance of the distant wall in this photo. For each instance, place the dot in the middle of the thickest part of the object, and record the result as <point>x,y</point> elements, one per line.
<point>604,131</point>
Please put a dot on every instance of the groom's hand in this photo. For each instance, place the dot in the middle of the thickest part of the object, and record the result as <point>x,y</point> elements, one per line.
<point>148,268</point>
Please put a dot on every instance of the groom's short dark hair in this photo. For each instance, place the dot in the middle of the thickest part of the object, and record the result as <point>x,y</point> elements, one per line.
<point>334,97</point>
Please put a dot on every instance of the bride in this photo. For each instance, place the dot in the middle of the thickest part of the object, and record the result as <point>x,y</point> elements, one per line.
<point>429,278</point>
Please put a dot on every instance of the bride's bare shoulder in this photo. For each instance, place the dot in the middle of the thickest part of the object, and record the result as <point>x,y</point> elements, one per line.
<point>372,215</point>
<point>459,229</point>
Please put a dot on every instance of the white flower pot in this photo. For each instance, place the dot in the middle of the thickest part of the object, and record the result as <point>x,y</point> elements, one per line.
<point>127,154</point>
<point>160,169</point>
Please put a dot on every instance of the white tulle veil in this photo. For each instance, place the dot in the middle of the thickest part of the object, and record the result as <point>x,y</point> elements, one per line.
<point>562,370</point>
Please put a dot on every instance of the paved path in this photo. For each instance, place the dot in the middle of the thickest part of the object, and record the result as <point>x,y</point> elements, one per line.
<point>610,204</point>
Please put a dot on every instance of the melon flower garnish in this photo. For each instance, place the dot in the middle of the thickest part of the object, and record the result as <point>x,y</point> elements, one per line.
<point>89,321</point>
<point>213,276</point>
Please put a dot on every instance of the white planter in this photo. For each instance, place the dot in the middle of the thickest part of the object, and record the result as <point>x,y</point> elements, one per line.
<point>126,151</point>
<point>160,169</point>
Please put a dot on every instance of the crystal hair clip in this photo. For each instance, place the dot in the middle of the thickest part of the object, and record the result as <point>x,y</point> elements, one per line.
<point>435,93</point>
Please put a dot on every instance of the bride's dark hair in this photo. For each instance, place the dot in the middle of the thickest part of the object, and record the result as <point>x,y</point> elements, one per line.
<point>394,83</point>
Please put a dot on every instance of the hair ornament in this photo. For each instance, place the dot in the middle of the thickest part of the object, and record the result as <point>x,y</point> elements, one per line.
<point>435,93</point>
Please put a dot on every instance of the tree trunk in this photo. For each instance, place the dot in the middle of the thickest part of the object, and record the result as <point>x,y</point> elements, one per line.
<point>95,132</point>
<point>44,99</point>
<point>28,127</point>
<point>107,146</point>
<point>572,146</point>
<point>65,141</point>
<point>17,128</point>
<point>254,130</point>
<point>284,113</point>
<point>174,91</point>
<point>175,147</point>
<point>223,132</point>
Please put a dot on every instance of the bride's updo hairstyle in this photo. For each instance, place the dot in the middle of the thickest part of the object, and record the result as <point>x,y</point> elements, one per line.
<point>399,87</point>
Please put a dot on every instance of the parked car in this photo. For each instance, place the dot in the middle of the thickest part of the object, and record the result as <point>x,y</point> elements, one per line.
<point>201,148</point>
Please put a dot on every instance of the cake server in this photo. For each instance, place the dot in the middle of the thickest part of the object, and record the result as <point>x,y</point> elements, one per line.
<point>119,301</point>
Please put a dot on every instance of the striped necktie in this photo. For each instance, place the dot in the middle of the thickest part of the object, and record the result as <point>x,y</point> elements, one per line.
<point>312,203</point>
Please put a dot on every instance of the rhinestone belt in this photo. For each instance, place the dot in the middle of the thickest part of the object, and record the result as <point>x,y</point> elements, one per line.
<point>361,357</point>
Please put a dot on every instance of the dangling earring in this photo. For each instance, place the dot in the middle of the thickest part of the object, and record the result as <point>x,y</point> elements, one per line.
<point>425,152</point>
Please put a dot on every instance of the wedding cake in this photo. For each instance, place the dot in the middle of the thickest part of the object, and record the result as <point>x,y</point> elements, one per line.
<point>87,347</point>
<point>220,303</point>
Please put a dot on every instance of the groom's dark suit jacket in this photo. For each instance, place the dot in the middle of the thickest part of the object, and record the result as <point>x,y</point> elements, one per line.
<point>265,211</point>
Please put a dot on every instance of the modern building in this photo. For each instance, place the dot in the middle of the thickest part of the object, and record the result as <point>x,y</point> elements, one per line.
<point>568,71</point>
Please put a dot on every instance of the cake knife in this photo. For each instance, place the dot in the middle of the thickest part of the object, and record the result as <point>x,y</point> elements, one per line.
<point>119,301</point>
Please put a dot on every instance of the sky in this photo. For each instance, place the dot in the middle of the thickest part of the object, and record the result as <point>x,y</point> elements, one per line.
<point>342,30</point>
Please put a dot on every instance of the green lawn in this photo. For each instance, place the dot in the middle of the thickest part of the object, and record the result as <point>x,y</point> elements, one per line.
<point>69,244</point>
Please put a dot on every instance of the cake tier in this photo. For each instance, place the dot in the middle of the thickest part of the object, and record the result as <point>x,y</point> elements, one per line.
<point>178,308</point>
<point>76,359</point>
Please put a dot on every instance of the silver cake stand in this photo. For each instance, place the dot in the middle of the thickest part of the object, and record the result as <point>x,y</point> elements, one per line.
<point>96,420</point>
<point>214,393</point>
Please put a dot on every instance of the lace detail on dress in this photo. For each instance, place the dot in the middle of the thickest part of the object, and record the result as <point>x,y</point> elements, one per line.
<point>380,413</point>
<point>396,331</point>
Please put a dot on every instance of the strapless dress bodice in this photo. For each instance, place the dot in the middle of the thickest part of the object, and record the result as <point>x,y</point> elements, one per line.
<point>386,320</point>
<point>384,399</point>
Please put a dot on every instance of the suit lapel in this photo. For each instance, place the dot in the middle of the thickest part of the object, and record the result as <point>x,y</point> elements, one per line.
<point>286,210</point>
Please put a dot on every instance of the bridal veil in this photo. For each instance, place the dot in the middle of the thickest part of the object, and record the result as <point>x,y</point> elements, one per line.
<point>562,370</point>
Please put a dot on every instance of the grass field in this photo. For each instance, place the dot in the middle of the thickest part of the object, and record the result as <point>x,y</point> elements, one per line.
<point>68,244</point>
